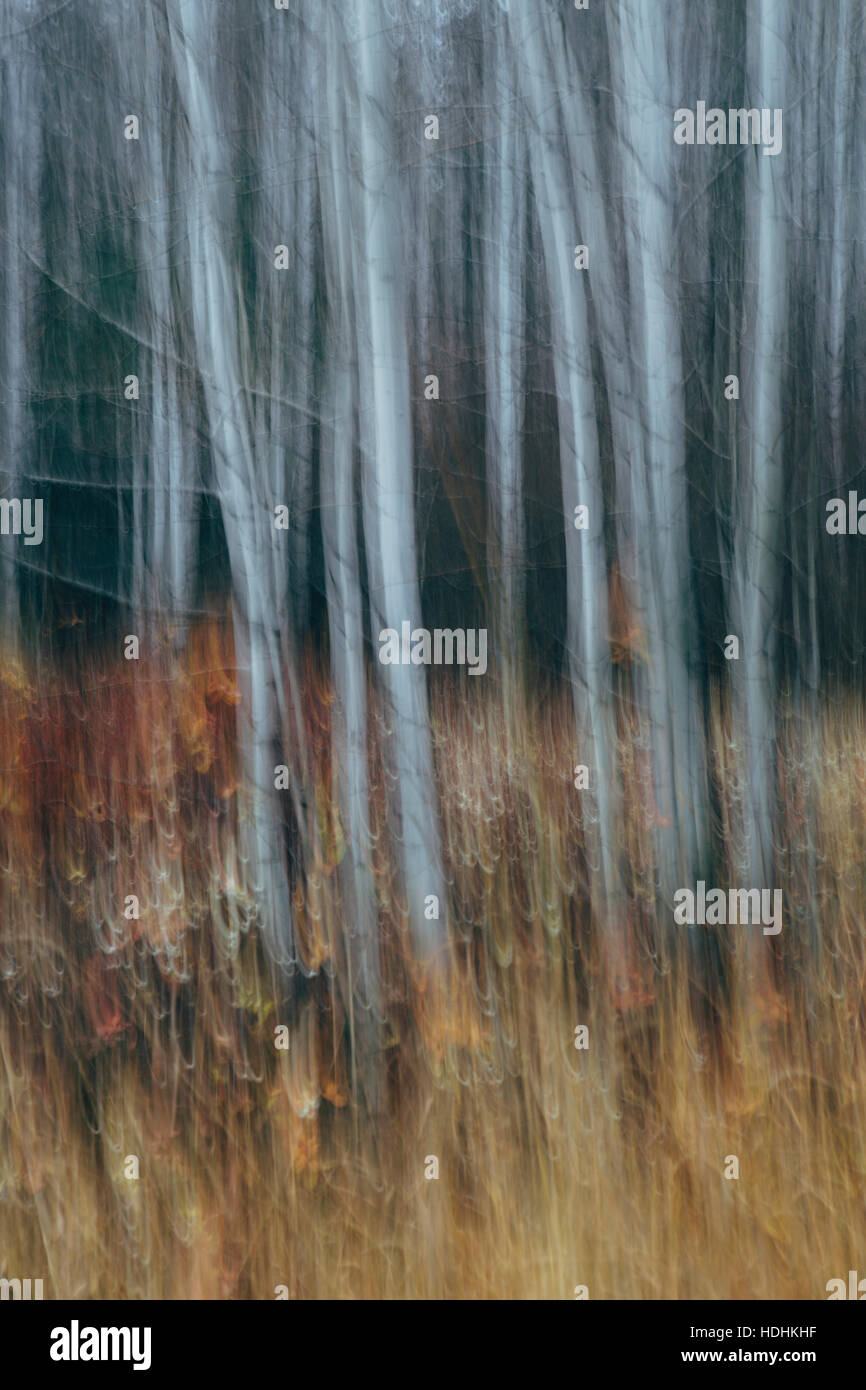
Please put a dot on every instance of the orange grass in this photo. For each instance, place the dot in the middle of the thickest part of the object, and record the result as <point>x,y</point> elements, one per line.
<point>557,1167</point>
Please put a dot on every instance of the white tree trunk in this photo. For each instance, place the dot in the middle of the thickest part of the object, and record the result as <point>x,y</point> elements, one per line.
<point>587,625</point>
<point>756,580</point>
<point>640,46</point>
<point>505,268</point>
<point>223,351</point>
<point>339,504</point>
<point>386,442</point>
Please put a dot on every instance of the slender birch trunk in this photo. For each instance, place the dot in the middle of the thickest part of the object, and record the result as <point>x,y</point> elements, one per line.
<point>386,445</point>
<point>219,332</point>
<point>758,532</point>
<point>587,623</point>
<point>505,268</point>
<point>641,42</point>
<point>339,511</point>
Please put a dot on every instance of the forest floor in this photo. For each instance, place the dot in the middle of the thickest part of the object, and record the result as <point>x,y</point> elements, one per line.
<point>155,1143</point>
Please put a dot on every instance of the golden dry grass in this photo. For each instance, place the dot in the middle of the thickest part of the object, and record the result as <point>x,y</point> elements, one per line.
<point>557,1167</point>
